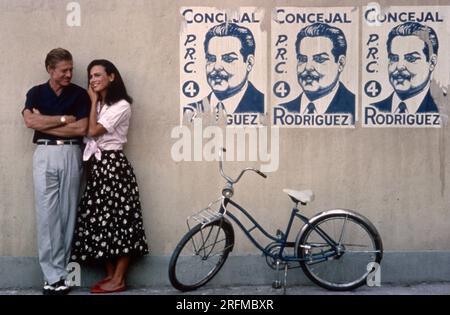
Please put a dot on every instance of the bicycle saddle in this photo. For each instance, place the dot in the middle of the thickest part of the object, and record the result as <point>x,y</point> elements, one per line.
<point>304,196</point>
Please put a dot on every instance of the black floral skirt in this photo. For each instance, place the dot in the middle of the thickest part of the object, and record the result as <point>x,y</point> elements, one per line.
<point>109,219</point>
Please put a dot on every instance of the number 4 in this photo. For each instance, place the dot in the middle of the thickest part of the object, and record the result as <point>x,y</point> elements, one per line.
<point>190,89</point>
<point>281,89</point>
<point>372,88</point>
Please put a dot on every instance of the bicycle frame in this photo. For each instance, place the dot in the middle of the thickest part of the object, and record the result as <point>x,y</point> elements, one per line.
<point>228,192</point>
<point>283,240</point>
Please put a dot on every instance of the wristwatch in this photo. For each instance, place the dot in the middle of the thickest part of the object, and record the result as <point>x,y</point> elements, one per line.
<point>63,119</point>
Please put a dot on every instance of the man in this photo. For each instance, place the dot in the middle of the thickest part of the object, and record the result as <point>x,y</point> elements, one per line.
<point>412,51</point>
<point>321,55</point>
<point>230,57</point>
<point>57,111</point>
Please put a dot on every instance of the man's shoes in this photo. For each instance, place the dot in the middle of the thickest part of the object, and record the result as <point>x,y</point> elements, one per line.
<point>62,287</point>
<point>48,289</point>
<point>58,288</point>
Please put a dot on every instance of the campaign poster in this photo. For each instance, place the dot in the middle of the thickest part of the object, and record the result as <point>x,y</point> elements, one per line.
<point>315,64</point>
<point>223,72</point>
<point>405,71</point>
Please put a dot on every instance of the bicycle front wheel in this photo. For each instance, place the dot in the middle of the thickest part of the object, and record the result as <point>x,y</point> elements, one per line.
<point>200,255</point>
<point>339,249</point>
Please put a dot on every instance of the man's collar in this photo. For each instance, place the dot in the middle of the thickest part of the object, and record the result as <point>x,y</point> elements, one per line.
<point>322,103</point>
<point>63,88</point>
<point>230,103</point>
<point>412,103</point>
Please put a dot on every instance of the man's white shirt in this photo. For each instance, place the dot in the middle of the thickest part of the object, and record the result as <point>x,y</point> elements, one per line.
<point>230,104</point>
<point>412,103</point>
<point>321,104</point>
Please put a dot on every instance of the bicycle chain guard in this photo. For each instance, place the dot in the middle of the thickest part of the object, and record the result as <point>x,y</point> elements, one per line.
<point>273,248</point>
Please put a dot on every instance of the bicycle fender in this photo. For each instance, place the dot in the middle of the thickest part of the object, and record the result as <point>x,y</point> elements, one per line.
<point>335,211</point>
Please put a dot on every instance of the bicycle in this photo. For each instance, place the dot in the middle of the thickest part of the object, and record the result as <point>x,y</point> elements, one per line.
<point>336,249</point>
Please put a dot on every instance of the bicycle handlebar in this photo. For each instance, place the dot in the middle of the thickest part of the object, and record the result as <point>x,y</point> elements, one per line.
<point>229,179</point>
<point>261,173</point>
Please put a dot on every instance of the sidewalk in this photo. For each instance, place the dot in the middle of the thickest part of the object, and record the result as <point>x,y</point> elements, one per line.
<point>387,289</point>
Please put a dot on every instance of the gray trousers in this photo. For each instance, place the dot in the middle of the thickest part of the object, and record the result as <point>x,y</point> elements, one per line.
<point>56,171</point>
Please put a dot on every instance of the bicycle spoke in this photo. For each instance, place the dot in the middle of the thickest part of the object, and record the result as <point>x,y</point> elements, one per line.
<point>212,255</point>
<point>342,232</point>
<point>221,252</point>
<point>200,255</point>
<point>197,252</point>
<point>342,264</point>
<point>363,251</point>
<point>209,234</point>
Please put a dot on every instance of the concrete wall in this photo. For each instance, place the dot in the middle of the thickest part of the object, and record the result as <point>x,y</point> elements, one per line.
<point>396,177</point>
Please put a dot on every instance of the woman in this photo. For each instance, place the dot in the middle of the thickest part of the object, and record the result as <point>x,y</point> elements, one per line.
<point>109,224</point>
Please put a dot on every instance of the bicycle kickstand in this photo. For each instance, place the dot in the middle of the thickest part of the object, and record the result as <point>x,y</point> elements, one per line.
<point>276,284</point>
<point>285,278</point>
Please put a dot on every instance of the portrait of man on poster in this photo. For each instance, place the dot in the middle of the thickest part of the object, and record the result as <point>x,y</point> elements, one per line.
<point>321,51</point>
<point>230,58</point>
<point>412,51</point>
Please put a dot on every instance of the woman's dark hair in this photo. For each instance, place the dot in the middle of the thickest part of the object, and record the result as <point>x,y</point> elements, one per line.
<point>116,91</point>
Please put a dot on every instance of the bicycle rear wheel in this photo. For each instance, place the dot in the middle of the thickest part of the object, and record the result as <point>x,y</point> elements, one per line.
<point>346,265</point>
<point>200,255</point>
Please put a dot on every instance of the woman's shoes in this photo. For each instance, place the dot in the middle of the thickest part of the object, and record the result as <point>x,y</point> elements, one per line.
<point>98,284</point>
<point>99,289</point>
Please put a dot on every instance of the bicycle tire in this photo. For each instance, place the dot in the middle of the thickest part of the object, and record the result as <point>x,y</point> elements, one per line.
<point>204,239</point>
<point>361,246</point>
